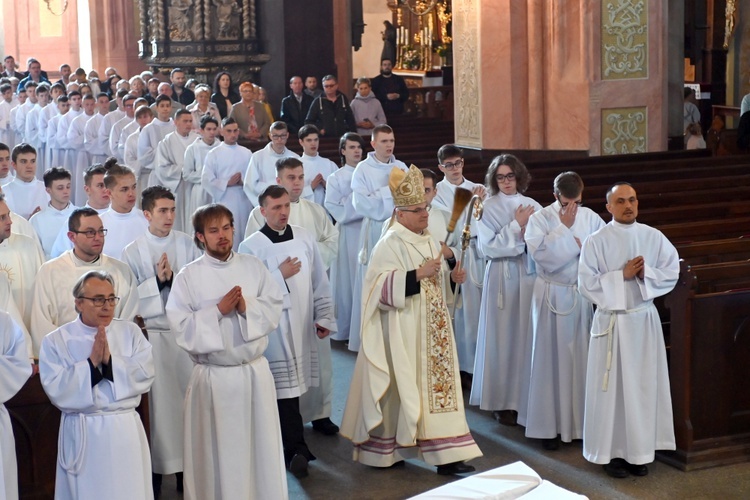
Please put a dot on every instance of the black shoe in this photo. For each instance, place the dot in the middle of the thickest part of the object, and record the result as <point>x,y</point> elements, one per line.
<point>617,468</point>
<point>156,480</point>
<point>551,444</point>
<point>325,427</point>
<point>506,417</point>
<point>637,470</point>
<point>454,468</point>
<point>298,465</point>
<point>178,480</point>
<point>466,381</point>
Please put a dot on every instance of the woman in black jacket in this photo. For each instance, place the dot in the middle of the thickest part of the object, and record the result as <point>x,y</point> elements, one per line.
<point>224,94</point>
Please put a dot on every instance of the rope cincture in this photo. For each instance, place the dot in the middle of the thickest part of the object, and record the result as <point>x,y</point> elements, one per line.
<point>609,332</point>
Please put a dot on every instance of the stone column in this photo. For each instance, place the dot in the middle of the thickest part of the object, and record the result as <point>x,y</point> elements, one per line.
<point>114,40</point>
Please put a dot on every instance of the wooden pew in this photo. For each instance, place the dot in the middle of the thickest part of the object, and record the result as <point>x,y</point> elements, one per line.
<point>714,251</point>
<point>709,355</point>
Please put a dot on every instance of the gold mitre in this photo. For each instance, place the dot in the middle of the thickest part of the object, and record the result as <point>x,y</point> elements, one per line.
<point>407,187</point>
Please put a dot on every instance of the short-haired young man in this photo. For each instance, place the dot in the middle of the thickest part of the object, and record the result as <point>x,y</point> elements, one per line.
<point>153,133</point>
<point>317,168</point>
<point>78,158</point>
<point>144,116</point>
<point>25,194</point>
<point>5,174</point>
<point>51,218</point>
<point>31,128</point>
<point>192,169</point>
<point>123,221</point>
<point>261,172</point>
<point>155,258</point>
<point>66,158</point>
<point>62,104</point>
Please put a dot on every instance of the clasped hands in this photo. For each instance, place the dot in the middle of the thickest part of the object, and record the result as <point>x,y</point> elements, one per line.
<point>634,268</point>
<point>100,350</point>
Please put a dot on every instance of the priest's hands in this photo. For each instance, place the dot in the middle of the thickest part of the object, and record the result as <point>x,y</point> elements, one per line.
<point>318,180</point>
<point>321,332</point>
<point>231,301</point>
<point>235,180</point>
<point>446,251</point>
<point>458,275</point>
<point>290,267</point>
<point>568,214</point>
<point>523,213</point>
<point>634,267</point>
<point>430,268</point>
<point>163,269</point>
<point>100,350</point>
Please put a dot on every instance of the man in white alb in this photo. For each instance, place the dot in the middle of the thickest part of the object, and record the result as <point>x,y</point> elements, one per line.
<point>95,144</point>
<point>67,155</point>
<point>31,131</point>
<point>317,168</point>
<point>78,160</point>
<point>151,135</point>
<point>54,150</point>
<point>25,194</point>
<point>261,172</point>
<point>143,117</point>
<point>112,117</point>
<point>123,221</point>
<point>192,168</point>
<point>48,221</point>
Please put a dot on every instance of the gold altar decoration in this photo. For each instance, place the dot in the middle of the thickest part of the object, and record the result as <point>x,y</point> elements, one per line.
<point>731,18</point>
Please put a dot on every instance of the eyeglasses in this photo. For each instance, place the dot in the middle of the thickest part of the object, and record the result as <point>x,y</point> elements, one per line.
<point>100,301</point>
<point>452,166</point>
<point>90,233</point>
<point>502,178</point>
<point>277,137</point>
<point>419,210</point>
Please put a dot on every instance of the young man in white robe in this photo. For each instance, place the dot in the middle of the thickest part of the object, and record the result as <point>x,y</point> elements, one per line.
<point>170,158</point>
<point>6,105</point>
<point>261,172</point>
<point>291,255</point>
<point>304,213</point>
<point>192,168</point>
<point>317,168</point>
<point>560,316</point>
<point>19,100</point>
<point>112,117</point>
<point>15,370</point>
<point>223,174</point>
<point>623,268</point>
<point>51,306</point>
<point>25,194</point>
<point>6,175</point>
<point>95,369</point>
<point>31,130</point>
<point>469,297</point>
<point>124,221</point>
<point>48,222</point>
<point>373,200</point>
<point>54,150</point>
<point>504,342</point>
<point>94,143</point>
<point>20,260</point>
<point>154,259</point>
<point>150,137</point>
<point>222,308</point>
<point>66,156</point>
<point>24,110</point>
<point>338,203</point>
<point>405,399</point>
<point>45,116</point>
<point>78,160</point>
<point>143,117</point>
<point>118,134</point>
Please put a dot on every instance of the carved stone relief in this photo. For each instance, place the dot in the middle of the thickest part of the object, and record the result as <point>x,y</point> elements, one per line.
<point>184,20</point>
<point>624,130</point>
<point>468,75</point>
<point>624,39</point>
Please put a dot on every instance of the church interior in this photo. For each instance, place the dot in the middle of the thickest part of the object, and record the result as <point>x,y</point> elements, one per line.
<point>594,87</point>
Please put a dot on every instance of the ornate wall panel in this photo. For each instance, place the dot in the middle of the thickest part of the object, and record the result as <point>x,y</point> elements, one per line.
<point>624,42</point>
<point>624,130</point>
<point>468,75</point>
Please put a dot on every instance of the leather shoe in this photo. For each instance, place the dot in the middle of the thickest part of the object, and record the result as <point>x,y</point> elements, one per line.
<point>617,468</point>
<point>551,444</point>
<point>298,465</point>
<point>506,417</point>
<point>325,427</point>
<point>454,468</point>
<point>637,470</point>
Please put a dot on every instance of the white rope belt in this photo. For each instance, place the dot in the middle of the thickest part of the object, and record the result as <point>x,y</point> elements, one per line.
<point>574,286</point>
<point>75,465</point>
<point>609,332</point>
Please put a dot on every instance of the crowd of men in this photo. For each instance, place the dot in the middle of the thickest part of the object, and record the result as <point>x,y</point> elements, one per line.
<point>245,264</point>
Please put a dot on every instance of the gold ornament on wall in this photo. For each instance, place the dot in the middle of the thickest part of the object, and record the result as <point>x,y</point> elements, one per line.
<point>49,8</point>
<point>730,13</point>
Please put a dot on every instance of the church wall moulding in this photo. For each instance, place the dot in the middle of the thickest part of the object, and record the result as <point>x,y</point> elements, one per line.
<point>466,55</point>
<point>624,39</point>
<point>624,130</point>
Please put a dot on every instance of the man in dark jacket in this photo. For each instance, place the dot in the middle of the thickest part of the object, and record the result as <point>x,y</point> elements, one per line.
<point>390,89</point>
<point>295,106</point>
<point>331,112</point>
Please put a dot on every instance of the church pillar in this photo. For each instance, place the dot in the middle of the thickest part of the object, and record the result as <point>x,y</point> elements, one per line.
<point>342,45</point>
<point>114,34</point>
<point>572,75</point>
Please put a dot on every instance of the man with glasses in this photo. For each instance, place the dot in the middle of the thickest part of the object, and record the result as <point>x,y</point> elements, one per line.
<point>94,369</point>
<point>51,306</point>
<point>261,172</point>
<point>396,409</point>
<point>330,112</point>
<point>560,316</point>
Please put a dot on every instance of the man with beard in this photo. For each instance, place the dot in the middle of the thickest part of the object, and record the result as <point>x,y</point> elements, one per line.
<point>390,89</point>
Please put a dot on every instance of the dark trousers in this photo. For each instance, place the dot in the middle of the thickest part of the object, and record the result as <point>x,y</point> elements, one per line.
<point>292,429</point>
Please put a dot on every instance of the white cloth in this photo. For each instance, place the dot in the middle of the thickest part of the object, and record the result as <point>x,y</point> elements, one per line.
<point>261,173</point>
<point>221,164</point>
<point>372,199</point>
<point>504,341</point>
<point>77,158</point>
<point>338,202</point>
<point>466,321</point>
<point>102,443</point>
<point>171,364</point>
<point>293,348</point>
<point>20,260</point>
<point>24,197</point>
<point>313,166</point>
<point>151,135</point>
<point>48,223</point>
<point>45,116</point>
<point>127,130</point>
<point>560,322</point>
<point>167,172</point>
<point>405,397</point>
<point>132,161</point>
<point>105,130</point>
<point>8,304</point>
<point>232,435</point>
<point>313,218</point>
<point>13,132</point>
<point>53,303</point>
<point>96,146</point>
<point>628,403</point>
<point>20,120</point>
<point>62,139</point>
<point>54,158</point>
<point>31,126</point>
<point>122,229</point>
<point>6,133</point>
<point>24,227</point>
<point>192,170</point>
<point>15,370</point>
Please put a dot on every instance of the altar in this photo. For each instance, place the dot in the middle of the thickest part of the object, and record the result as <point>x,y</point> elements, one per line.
<point>421,78</point>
